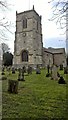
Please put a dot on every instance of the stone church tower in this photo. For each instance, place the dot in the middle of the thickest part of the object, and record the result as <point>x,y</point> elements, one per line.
<point>28,43</point>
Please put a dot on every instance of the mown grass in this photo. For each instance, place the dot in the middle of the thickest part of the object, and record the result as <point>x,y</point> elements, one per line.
<point>38,97</point>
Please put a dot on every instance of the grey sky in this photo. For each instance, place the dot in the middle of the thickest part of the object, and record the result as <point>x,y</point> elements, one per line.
<point>51,35</point>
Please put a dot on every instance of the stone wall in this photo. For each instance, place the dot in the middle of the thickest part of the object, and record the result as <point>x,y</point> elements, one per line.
<point>54,56</point>
<point>29,39</point>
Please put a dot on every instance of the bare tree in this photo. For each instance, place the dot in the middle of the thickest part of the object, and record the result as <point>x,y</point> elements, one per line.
<point>60,15</point>
<point>59,9</point>
<point>5,24</point>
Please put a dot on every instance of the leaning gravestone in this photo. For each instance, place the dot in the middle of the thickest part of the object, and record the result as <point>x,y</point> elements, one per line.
<point>29,70</point>
<point>54,73</point>
<point>38,70</point>
<point>13,86</point>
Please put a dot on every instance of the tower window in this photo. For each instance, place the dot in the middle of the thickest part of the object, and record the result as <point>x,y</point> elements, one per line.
<point>25,23</point>
<point>24,56</point>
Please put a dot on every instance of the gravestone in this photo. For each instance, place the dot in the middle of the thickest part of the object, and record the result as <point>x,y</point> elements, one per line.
<point>54,73</point>
<point>48,74</point>
<point>3,71</point>
<point>24,69</point>
<point>9,70</point>
<point>61,80</point>
<point>48,68</point>
<point>58,74</point>
<point>38,70</point>
<point>61,67</point>
<point>29,70</point>
<point>66,70</point>
<point>21,75</point>
<point>13,70</point>
<point>13,86</point>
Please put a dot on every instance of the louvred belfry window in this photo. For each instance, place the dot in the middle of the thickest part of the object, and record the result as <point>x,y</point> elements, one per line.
<point>24,23</point>
<point>25,56</point>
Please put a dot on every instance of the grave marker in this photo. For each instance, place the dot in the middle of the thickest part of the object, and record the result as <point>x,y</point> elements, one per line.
<point>54,73</point>
<point>13,86</point>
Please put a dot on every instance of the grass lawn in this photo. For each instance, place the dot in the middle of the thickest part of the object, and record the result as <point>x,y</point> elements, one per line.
<point>38,97</point>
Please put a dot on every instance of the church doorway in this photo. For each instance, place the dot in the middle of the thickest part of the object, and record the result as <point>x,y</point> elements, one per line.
<point>24,56</point>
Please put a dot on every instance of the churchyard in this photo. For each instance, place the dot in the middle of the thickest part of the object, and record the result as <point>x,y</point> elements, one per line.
<point>37,96</point>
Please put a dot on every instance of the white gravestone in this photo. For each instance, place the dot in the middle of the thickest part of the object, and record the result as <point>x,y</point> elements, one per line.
<point>54,73</point>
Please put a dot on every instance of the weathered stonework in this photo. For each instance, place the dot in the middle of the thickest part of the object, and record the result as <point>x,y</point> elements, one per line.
<point>29,39</point>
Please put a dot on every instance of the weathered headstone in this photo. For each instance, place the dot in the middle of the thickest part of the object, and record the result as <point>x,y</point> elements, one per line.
<point>61,67</point>
<point>38,70</point>
<point>9,70</point>
<point>29,70</point>
<point>54,73</point>
<point>13,86</point>
<point>21,75</point>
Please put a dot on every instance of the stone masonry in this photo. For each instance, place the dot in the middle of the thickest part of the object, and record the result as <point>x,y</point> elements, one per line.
<point>29,39</point>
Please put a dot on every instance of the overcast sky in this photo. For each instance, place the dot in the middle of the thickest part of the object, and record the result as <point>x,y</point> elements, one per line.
<point>51,34</point>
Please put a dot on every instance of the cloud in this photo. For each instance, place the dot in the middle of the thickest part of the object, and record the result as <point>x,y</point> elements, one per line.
<point>56,42</point>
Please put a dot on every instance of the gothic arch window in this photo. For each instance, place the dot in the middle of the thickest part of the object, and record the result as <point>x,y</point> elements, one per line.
<point>24,56</point>
<point>24,23</point>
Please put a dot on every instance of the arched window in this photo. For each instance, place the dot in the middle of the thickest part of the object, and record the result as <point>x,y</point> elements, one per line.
<point>24,23</point>
<point>24,55</point>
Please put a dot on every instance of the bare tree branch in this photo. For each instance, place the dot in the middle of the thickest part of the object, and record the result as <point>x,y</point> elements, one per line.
<point>5,24</point>
<point>59,10</point>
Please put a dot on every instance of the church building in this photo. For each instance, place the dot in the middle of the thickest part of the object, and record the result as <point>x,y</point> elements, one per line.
<point>28,44</point>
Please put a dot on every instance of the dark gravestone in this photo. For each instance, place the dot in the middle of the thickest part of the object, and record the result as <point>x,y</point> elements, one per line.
<point>13,86</point>
<point>29,70</point>
<point>24,69</point>
<point>61,80</point>
<point>38,70</point>
<point>9,70</point>
<point>61,67</point>
<point>58,74</point>
<point>13,70</point>
<point>48,74</point>
<point>48,68</point>
<point>65,70</point>
<point>3,71</point>
<point>21,75</point>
